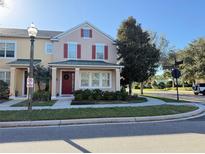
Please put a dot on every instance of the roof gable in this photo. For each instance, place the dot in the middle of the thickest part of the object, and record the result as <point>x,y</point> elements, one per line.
<point>82,25</point>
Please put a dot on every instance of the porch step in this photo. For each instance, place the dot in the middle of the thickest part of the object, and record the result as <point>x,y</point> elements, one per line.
<point>69,98</point>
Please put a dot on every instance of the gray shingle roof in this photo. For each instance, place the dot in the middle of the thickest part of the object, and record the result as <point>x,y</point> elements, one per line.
<point>12,32</point>
<point>24,62</point>
<point>84,62</point>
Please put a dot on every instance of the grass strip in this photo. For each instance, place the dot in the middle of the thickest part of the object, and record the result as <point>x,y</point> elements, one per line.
<point>93,113</point>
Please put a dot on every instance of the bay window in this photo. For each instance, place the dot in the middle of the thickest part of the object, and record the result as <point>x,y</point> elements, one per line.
<point>84,79</point>
<point>95,79</point>
<point>105,79</point>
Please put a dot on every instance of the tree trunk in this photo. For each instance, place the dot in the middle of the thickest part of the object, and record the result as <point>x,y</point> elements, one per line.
<point>130,88</point>
<point>39,86</point>
<point>141,87</point>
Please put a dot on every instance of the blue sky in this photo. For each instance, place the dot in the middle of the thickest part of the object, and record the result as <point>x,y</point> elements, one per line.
<point>181,21</point>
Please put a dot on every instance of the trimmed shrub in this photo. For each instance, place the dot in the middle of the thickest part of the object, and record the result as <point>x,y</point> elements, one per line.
<point>118,95</point>
<point>78,97</point>
<point>97,94</point>
<point>41,96</point>
<point>108,95</point>
<point>4,90</point>
<point>86,93</point>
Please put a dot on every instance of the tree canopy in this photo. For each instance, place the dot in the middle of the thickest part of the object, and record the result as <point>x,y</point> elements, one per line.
<point>137,52</point>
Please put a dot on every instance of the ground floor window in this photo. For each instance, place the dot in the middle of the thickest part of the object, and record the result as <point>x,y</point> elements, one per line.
<point>95,79</point>
<point>5,76</point>
<point>85,79</point>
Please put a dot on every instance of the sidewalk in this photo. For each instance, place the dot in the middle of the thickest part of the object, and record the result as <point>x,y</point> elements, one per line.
<point>66,104</point>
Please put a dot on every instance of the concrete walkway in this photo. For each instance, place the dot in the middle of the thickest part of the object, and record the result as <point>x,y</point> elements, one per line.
<point>150,102</point>
<point>66,104</point>
<point>9,103</point>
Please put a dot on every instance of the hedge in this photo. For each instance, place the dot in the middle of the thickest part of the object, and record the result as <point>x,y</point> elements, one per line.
<point>97,94</point>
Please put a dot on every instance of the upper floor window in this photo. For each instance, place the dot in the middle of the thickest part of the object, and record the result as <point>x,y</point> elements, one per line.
<point>86,33</point>
<point>72,50</point>
<point>100,51</point>
<point>7,49</point>
<point>49,48</point>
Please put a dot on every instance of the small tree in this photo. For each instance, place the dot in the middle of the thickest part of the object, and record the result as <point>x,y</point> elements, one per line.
<point>41,75</point>
<point>137,53</point>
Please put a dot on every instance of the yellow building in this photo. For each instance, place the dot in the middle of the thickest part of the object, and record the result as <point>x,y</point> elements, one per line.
<point>83,57</point>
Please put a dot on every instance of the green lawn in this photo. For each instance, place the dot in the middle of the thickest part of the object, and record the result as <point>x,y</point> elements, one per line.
<point>35,103</point>
<point>93,113</point>
<point>166,99</point>
<point>135,100</point>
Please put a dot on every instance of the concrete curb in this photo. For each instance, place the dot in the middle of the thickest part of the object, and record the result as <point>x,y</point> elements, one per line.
<point>201,109</point>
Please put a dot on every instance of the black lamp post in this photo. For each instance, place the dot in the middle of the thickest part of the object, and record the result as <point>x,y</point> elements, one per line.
<point>32,32</point>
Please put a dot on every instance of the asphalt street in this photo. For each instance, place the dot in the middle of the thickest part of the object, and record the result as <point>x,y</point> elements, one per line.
<point>181,136</point>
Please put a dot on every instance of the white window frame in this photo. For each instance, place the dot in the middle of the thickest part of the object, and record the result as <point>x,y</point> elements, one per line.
<point>46,48</point>
<point>106,79</point>
<point>75,51</point>
<point>5,71</point>
<point>86,28</point>
<point>100,44</point>
<point>9,41</point>
<point>90,80</point>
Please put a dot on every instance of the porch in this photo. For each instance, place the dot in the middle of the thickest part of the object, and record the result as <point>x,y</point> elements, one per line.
<point>73,75</point>
<point>18,77</point>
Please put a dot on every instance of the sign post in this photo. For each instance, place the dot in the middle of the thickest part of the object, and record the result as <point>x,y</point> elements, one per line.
<point>176,74</point>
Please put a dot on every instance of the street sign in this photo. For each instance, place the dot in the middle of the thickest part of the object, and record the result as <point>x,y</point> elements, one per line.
<point>29,83</point>
<point>176,73</point>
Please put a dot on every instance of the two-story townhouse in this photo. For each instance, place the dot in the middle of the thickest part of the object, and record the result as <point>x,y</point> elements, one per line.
<point>83,57</point>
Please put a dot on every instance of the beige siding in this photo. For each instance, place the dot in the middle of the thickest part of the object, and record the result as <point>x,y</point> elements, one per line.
<point>86,45</point>
<point>23,51</point>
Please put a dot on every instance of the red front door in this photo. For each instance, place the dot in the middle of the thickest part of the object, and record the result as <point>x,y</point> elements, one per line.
<point>67,82</point>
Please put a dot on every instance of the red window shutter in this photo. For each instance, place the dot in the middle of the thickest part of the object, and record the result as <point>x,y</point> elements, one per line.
<point>65,50</point>
<point>81,32</point>
<point>79,51</point>
<point>93,51</point>
<point>106,52</point>
<point>91,33</point>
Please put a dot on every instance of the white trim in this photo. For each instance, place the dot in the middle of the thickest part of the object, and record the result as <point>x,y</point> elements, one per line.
<point>79,26</point>
<point>23,86</point>
<point>15,47</point>
<point>4,70</point>
<point>100,79</point>
<point>86,66</point>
